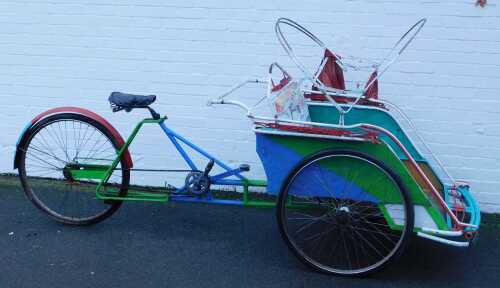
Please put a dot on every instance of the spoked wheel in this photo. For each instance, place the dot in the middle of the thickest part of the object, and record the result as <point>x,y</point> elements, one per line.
<point>344,213</point>
<point>60,166</point>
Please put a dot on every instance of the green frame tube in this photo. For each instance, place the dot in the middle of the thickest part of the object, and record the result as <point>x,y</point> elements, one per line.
<point>140,196</point>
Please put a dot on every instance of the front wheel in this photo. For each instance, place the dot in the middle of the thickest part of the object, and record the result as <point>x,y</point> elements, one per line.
<point>63,161</point>
<point>344,213</point>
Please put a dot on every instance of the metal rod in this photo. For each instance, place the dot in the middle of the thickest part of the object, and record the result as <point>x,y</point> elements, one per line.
<point>160,170</point>
<point>443,240</point>
<point>422,174</point>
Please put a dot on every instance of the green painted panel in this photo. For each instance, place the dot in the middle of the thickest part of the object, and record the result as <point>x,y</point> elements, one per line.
<point>330,115</point>
<point>372,181</point>
<point>307,146</point>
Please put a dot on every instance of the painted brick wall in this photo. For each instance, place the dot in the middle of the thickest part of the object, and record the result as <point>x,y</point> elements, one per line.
<point>75,52</point>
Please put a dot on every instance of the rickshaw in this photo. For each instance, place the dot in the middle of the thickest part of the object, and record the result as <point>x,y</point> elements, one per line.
<point>349,183</point>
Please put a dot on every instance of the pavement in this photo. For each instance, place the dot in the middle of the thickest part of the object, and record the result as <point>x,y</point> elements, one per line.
<point>194,245</point>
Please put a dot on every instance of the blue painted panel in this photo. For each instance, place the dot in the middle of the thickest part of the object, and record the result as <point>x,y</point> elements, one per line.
<point>316,181</point>
<point>277,160</point>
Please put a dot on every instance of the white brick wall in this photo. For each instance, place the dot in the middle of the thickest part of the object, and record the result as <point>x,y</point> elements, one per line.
<point>75,52</point>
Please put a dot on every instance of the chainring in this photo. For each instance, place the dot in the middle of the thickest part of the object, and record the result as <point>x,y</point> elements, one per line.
<point>197,183</point>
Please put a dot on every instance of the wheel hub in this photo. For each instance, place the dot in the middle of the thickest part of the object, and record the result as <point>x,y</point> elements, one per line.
<point>67,172</point>
<point>341,216</point>
<point>345,209</point>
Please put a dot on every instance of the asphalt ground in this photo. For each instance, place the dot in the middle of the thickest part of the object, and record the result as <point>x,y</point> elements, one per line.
<point>195,245</point>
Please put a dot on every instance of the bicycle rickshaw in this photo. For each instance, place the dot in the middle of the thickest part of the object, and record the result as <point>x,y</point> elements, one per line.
<point>349,183</point>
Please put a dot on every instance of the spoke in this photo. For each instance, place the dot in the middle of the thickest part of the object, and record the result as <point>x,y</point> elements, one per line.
<point>375,227</point>
<point>332,193</point>
<point>369,244</point>
<point>75,139</point>
<point>307,215</point>
<point>97,150</point>
<point>375,231</point>
<point>57,140</point>
<point>350,182</point>
<point>64,146</point>
<point>325,186</point>
<point>378,240</point>
<point>354,245</point>
<point>102,151</point>
<point>92,148</point>
<point>43,161</point>
<point>378,224</point>
<point>43,152</point>
<point>367,208</point>
<point>309,224</point>
<point>48,130</point>
<point>66,134</point>
<point>81,145</point>
<point>45,144</point>
<point>320,233</point>
<point>45,167</point>
<point>87,141</point>
<point>362,246</point>
<point>332,251</point>
<point>320,239</point>
<point>346,250</point>
<point>33,157</point>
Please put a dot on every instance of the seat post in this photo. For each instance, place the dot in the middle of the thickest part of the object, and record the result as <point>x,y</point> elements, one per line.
<point>154,114</point>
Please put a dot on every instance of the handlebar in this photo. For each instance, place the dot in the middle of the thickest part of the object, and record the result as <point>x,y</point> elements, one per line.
<point>221,100</point>
<point>230,102</point>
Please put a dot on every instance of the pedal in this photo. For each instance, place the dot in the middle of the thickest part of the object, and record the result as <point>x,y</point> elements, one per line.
<point>245,167</point>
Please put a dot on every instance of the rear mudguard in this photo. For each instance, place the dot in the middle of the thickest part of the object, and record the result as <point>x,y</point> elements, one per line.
<point>75,110</point>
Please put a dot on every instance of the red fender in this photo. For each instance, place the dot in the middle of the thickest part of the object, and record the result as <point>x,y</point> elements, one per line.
<point>126,155</point>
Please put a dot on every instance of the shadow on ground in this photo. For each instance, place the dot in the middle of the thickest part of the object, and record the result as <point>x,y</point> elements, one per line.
<point>185,245</point>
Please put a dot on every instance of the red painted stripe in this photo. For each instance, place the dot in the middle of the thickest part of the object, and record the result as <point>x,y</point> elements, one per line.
<point>311,130</point>
<point>370,136</point>
<point>94,116</point>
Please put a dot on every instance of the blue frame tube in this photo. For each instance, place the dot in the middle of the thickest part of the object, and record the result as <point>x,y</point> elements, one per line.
<point>174,137</point>
<point>180,198</point>
<point>234,182</point>
<point>223,175</point>
<point>182,152</point>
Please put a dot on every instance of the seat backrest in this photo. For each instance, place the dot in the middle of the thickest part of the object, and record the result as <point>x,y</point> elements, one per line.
<point>372,90</point>
<point>331,75</point>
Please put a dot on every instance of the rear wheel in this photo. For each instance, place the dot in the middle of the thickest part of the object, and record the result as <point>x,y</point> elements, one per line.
<point>61,165</point>
<point>344,213</point>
